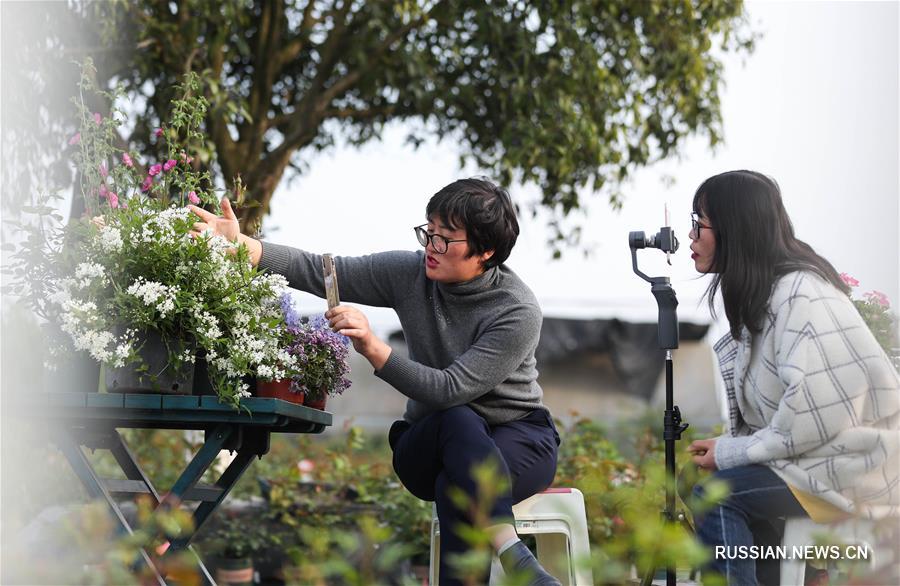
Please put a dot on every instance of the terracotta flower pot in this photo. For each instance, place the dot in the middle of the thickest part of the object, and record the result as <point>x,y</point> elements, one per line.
<point>318,403</point>
<point>234,572</point>
<point>278,389</point>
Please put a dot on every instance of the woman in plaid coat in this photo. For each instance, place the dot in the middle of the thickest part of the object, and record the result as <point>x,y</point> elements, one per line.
<point>814,402</point>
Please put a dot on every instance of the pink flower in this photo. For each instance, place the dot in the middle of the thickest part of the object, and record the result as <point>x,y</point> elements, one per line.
<point>113,199</point>
<point>76,138</point>
<point>124,206</point>
<point>155,170</point>
<point>878,298</point>
<point>126,160</point>
<point>104,172</point>
<point>97,118</point>
<point>192,197</point>
<point>849,280</point>
<point>169,164</point>
<point>186,159</point>
<point>159,132</point>
<point>103,190</point>
<point>147,183</point>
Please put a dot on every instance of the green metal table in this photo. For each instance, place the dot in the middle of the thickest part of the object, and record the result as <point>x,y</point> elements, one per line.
<point>92,420</point>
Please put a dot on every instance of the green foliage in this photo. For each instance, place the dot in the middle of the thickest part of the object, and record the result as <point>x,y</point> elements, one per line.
<point>237,538</point>
<point>352,480</point>
<point>565,95</point>
<point>85,547</point>
<point>350,521</point>
<point>877,315</point>
<point>875,309</point>
<point>364,556</point>
<point>625,497</point>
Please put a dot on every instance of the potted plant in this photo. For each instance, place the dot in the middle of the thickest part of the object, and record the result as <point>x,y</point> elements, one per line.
<point>320,360</point>
<point>235,542</point>
<point>130,286</point>
<point>282,388</point>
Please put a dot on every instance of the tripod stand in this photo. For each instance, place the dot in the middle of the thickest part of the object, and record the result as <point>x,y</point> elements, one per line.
<point>668,340</point>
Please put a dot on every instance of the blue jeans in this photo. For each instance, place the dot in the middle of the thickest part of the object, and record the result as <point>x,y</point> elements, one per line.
<point>439,452</point>
<point>753,514</point>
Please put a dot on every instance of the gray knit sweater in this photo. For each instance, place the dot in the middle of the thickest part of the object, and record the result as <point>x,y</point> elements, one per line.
<point>469,343</point>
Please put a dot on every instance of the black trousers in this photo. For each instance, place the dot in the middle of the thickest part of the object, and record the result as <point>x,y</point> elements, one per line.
<point>440,451</point>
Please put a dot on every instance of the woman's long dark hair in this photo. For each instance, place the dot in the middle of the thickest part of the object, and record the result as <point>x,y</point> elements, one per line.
<point>755,245</point>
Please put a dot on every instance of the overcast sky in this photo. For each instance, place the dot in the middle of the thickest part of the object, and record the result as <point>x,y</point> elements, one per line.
<point>815,107</point>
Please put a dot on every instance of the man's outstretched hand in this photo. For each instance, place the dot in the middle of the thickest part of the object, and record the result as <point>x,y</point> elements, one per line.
<point>225,225</point>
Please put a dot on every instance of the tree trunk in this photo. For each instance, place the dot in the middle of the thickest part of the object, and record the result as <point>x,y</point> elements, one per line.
<point>261,183</point>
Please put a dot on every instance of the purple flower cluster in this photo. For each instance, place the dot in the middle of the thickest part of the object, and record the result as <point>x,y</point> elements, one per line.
<point>291,317</point>
<point>322,355</point>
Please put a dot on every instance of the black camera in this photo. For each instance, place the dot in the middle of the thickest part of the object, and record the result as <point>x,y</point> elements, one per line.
<point>664,240</point>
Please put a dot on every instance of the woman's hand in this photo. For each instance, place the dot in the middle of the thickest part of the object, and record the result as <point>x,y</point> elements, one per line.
<point>353,323</point>
<point>227,226</point>
<point>703,453</point>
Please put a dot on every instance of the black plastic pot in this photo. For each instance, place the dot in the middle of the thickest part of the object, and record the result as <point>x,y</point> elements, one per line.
<point>157,374</point>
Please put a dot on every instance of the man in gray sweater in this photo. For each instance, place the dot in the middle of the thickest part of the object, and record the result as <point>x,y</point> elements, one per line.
<point>471,326</point>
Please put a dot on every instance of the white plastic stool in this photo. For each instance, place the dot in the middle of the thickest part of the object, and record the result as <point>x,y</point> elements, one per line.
<point>801,532</point>
<point>557,519</point>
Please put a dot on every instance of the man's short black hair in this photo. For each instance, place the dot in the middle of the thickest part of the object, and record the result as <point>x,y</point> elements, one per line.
<point>484,210</point>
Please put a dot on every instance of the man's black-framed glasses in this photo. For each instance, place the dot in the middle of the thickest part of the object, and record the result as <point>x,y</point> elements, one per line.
<point>696,225</point>
<point>439,243</point>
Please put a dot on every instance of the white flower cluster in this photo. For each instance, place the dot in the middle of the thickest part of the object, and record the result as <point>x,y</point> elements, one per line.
<point>208,325</point>
<point>86,272</point>
<point>272,287</point>
<point>218,247</point>
<point>161,227</point>
<point>155,294</point>
<point>78,320</point>
<point>277,284</point>
<point>188,356</point>
<point>63,292</point>
<point>187,269</point>
<point>263,352</point>
<point>109,239</point>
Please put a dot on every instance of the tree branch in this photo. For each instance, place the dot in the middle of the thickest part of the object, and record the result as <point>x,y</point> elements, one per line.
<point>218,123</point>
<point>265,72</point>
<point>293,48</point>
<point>331,50</point>
<point>359,115</point>
<point>349,80</point>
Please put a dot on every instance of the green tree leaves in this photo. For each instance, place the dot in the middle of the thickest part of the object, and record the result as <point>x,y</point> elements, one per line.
<point>571,96</point>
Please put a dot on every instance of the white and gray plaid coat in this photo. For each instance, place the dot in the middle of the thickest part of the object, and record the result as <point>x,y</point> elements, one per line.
<point>814,397</point>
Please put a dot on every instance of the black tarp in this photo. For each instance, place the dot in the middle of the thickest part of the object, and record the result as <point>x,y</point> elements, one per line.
<point>633,347</point>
